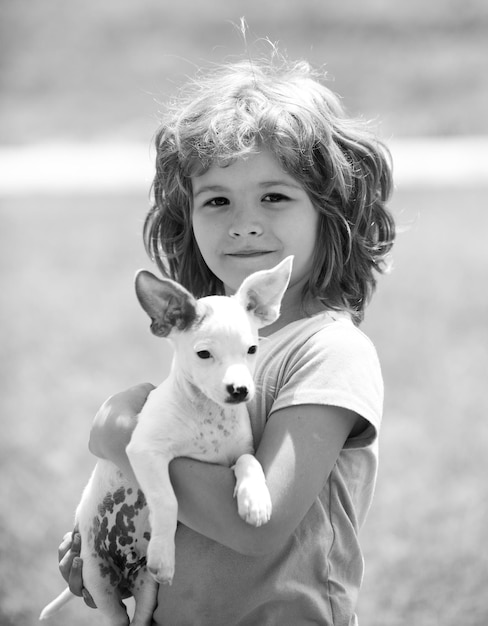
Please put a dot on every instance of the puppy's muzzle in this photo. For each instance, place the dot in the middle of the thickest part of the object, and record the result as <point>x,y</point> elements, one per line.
<point>237,394</point>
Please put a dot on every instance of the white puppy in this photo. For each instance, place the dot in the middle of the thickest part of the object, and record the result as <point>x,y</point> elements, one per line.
<point>127,531</point>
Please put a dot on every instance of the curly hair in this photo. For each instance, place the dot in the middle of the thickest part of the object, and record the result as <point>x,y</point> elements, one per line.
<point>286,108</point>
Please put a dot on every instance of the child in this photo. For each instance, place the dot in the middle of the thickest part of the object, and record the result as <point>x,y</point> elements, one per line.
<point>255,162</point>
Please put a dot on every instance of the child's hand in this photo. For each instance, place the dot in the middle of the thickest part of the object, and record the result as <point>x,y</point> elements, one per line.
<point>71,565</point>
<point>115,421</point>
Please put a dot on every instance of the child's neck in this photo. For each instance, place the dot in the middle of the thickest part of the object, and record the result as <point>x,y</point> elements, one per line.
<point>291,312</point>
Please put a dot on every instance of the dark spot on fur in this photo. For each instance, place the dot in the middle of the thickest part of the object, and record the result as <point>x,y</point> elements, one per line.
<point>119,495</point>
<point>113,538</point>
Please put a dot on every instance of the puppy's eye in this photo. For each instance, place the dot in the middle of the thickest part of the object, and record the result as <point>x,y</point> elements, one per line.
<point>252,350</point>
<point>203,354</point>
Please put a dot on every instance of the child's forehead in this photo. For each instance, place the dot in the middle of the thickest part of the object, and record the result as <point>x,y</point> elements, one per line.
<point>217,157</point>
<point>260,161</point>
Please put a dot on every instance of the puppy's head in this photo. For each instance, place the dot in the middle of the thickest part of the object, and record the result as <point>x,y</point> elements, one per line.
<point>215,338</point>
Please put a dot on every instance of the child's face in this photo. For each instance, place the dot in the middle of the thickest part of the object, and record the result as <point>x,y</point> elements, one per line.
<point>250,215</point>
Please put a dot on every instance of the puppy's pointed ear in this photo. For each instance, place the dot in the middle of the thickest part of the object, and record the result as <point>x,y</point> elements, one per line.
<point>168,304</point>
<point>261,293</point>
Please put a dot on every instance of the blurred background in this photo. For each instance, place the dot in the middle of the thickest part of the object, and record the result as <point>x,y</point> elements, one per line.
<point>81,85</point>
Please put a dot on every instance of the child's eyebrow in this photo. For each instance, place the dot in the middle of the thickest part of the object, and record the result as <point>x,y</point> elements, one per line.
<point>211,189</point>
<point>280,183</point>
<point>264,184</point>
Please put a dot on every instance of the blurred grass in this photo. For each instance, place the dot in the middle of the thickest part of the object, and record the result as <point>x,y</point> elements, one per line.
<point>426,564</point>
<point>72,333</point>
<point>78,70</point>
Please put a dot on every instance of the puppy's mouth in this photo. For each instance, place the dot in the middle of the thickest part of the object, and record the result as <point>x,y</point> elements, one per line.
<point>231,400</point>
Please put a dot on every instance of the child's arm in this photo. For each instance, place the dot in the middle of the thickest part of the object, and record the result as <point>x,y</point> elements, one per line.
<point>114,423</point>
<point>298,450</point>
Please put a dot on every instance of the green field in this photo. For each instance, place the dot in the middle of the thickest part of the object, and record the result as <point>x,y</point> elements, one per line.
<point>72,333</point>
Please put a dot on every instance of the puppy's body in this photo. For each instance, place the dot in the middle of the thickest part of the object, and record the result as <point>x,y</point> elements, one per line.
<point>113,521</point>
<point>193,425</point>
<point>199,411</point>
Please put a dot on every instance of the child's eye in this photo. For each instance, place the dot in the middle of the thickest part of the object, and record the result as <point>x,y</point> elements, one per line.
<point>275,197</point>
<point>220,201</point>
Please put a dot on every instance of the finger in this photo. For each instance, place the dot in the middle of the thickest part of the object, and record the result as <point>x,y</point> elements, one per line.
<point>76,545</point>
<point>64,546</point>
<point>66,564</point>
<point>75,580</point>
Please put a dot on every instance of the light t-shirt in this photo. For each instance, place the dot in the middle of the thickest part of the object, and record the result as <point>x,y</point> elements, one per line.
<point>315,577</point>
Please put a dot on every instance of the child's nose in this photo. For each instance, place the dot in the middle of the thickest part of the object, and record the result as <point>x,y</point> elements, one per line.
<point>245,223</point>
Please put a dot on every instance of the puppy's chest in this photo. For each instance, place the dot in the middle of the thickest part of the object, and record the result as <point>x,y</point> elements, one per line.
<point>218,434</point>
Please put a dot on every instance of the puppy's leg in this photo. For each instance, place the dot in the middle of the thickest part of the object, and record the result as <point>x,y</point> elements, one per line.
<point>106,597</point>
<point>151,470</point>
<point>253,499</point>
<point>107,516</point>
<point>146,595</point>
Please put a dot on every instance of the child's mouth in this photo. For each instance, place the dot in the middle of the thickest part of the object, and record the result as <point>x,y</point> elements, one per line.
<point>250,253</point>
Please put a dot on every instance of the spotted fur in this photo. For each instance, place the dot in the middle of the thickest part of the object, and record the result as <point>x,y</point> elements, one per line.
<point>127,544</point>
<point>120,552</point>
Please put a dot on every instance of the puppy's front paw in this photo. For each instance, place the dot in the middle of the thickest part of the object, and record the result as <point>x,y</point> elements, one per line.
<point>161,560</point>
<point>253,501</point>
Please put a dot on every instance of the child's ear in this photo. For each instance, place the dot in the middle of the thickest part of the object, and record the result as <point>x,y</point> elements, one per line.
<point>261,293</point>
<point>168,304</point>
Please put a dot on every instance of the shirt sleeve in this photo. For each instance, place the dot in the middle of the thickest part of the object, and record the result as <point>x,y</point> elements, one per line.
<point>336,366</point>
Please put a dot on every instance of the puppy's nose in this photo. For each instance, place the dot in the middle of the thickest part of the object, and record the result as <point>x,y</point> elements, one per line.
<point>237,394</point>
